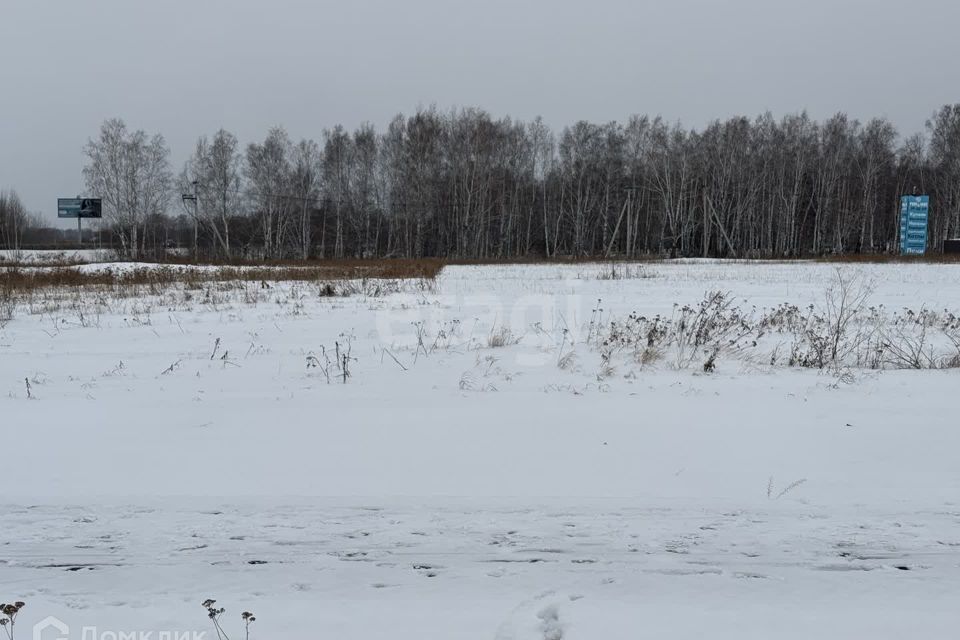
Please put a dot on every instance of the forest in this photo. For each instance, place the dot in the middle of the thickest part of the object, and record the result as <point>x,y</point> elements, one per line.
<point>462,184</point>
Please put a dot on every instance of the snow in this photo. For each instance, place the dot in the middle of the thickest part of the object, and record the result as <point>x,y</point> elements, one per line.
<point>471,491</point>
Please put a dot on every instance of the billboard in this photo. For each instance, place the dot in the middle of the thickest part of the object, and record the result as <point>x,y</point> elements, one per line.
<point>914,212</point>
<point>79,208</point>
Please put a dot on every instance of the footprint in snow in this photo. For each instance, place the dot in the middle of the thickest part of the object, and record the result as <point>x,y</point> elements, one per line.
<point>539,618</point>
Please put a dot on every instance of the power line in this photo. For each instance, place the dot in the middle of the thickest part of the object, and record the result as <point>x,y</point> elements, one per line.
<point>255,194</point>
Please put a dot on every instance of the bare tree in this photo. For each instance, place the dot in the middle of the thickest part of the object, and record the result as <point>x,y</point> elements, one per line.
<point>338,171</point>
<point>131,173</point>
<point>214,173</point>
<point>367,192</point>
<point>305,185</point>
<point>944,128</point>
<point>268,188</point>
<point>14,221</point>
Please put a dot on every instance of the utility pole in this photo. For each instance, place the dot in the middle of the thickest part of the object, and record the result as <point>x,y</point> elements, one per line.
<point>631,231</point>
<point>196,221</point>
<point>79,228</point>
<point>195,198</point>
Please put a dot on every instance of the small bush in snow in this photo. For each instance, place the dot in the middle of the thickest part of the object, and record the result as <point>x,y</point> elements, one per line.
<point>712,326</point>
<point>215,613</point>
<point>8,617</point>
<point>501,337</point>
<point>8,304</point>
<point>567,360</point>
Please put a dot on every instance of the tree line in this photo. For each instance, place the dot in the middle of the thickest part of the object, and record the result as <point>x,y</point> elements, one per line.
<point>463,184</point>
<point>16,223</point>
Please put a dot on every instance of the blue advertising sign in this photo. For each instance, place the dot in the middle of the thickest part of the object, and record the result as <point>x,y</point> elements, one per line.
<point>904,207</point>
<point>914,212</point>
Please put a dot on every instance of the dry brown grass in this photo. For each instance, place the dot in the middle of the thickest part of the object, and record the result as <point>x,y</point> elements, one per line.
<point>25,278</point>
<point>17,280</point>
<point>56,261</point>
<point>419,267</point>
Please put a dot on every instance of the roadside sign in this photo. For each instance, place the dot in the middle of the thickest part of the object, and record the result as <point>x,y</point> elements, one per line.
<point>79,208</point>
<point>914,213</point>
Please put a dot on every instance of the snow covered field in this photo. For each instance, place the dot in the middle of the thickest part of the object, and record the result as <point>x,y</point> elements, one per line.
<point>471,478</point>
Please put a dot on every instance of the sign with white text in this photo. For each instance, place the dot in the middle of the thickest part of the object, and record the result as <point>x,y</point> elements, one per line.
<point>914,214</point>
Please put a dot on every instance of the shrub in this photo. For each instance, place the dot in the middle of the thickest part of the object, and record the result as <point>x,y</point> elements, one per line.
<point>501,337</point>
<point>841,332</point>
<point>8,305</point>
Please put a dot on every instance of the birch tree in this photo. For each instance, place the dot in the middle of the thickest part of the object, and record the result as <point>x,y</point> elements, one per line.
<point>130,172</point>
<point>305,185</point>
<point>214,173</point>
<point>268,173</point>
<point>14,221</point>
<point>944,129</point>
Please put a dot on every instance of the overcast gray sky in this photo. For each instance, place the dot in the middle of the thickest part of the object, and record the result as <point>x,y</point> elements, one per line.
<point>188,67</point>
